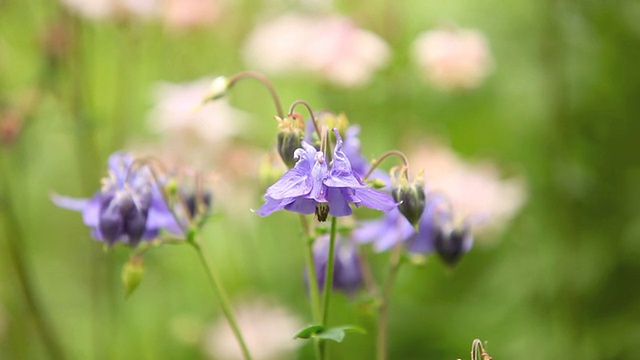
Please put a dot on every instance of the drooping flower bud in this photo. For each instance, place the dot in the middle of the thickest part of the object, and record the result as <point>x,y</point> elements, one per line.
<point>218,89</point>
<point>132,273</point>
<point>451,244</point>
<point>411,197</point>
<point>197,204</point>
<point>290,135</point>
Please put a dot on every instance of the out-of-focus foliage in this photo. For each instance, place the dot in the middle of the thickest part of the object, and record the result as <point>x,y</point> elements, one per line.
<point>558,108</point>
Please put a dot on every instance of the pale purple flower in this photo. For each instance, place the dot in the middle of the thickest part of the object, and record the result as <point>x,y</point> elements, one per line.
<point>313,186</point>
<point>436,232</point>
<point>347,272</point>
<point>129,207</point>
<point>476,190</point>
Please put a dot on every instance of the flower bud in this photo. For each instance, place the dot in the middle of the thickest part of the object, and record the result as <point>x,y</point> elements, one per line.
<point>411,197</point>
<point>290,135</point>
<point>197,204</point>
<point>132,273</point>
<point>451,245</point>
<point>218,89</point>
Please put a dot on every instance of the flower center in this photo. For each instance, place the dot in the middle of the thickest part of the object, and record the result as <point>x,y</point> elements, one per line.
<point>322,211</point>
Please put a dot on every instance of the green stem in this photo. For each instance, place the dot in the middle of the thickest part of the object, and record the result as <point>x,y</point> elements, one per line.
<point>383,319</point>
<point>311,273</point>
<point>310,265</point>
<point>224,300</point>
<point>328,281</point>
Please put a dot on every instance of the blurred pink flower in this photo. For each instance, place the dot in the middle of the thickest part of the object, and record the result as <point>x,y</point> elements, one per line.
<point>453,58</point>
<point>267,329</point>
<point>476,190</point>
<point>185,14</point>
<point>101,9</point>
<point>191,130</point>
<point>332,47</point>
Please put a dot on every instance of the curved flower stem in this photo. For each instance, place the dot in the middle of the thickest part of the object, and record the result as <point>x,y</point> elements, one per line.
<point>222,297</point>
<point>328,281</point>
<point>262,79</point>
<point>384,156</point>
<point>313,116</point>
<point>478,352</point>
<point>383,319</point>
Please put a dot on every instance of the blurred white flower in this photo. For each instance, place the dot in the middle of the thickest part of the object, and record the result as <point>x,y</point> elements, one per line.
<point>185,14</point>
<point>267,329</point>
<point>453,58</point>
<point>101,9</point>
<point>476,190</point>
<point>332,47</point>
<point>190,128</point>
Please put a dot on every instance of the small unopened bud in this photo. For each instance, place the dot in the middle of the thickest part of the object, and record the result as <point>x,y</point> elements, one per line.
<point>197,203</point>
<point>322,211</point>
<point>218,89</point>
<point>451,245</point>
<point>132,273</point>
<point>290,134</point>
<point>411,197</point>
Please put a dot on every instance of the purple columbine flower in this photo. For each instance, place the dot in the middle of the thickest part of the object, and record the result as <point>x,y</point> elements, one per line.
<point>435,233</point>
<point>313,186</point>
<point>129,207</point>
<point>347,273</point>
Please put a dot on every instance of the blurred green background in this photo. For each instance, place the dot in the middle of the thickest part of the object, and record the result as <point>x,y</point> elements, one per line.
<point>560,107</point>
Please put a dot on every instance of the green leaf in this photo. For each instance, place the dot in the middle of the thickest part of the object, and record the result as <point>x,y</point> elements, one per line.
<point>332,334</point>
<point>308,331</point>
<point>338,333</point>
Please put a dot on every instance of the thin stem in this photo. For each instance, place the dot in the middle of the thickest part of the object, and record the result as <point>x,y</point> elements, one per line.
<point>383,319</point>
<point>367,274</point>
<point>314,292</point>
<point>223,299</point>
<point>328,281</point>
<point>311,273</point>
<point>262,79</point>
<point>384,156</point>
<point>313,117</point>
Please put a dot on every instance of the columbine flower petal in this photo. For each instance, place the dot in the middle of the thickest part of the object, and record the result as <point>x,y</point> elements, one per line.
<point>315,187</point>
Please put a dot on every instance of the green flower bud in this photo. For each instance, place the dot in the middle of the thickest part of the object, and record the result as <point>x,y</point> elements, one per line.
<point>132,273</point>
<point>290,135</point>
<point>411,197</point>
